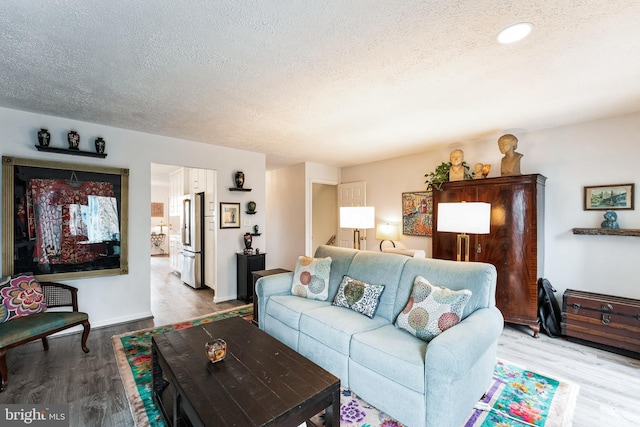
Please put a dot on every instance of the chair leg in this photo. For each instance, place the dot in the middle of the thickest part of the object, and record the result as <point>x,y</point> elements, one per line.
<point>85,335</point>
<point>45,343</point>
<point>3,370</point>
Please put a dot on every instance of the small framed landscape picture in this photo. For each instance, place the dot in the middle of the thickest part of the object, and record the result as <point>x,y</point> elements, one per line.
<point>608,197</point>
<point>229,215</point>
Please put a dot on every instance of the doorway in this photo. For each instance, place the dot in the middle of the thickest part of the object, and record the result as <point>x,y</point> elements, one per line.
<point>169,184</point>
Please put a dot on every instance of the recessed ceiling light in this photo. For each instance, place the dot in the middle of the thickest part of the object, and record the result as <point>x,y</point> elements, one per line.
<point>514,33</point>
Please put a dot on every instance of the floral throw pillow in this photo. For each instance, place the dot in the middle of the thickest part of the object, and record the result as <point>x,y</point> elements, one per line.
<point>431,309</point>
<point>358,296</point>
<point>311,278</point>
<point>20,295</point>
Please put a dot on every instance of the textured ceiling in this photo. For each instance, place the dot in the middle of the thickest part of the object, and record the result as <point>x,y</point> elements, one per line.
<point>335,81</point>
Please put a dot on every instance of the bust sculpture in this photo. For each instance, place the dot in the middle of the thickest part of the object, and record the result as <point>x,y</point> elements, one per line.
<point>510,164</point>
<point>456,172</point>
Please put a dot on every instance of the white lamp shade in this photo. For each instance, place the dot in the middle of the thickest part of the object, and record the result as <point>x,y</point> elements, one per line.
<point>357,217</point>
<point>464,217</point>
<point>388,232</point>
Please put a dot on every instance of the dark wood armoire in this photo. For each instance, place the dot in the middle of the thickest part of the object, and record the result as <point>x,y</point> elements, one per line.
<point>515,243</point>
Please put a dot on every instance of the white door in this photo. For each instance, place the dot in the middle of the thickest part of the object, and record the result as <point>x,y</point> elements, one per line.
<point>351,194</point>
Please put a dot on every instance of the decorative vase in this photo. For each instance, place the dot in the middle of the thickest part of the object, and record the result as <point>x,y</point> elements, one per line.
<point>44,137</point>
<point>74,140</point>
<point>251,206</point>
<point>239,178</point>
<point>247,240</point>
<point>100,145</point>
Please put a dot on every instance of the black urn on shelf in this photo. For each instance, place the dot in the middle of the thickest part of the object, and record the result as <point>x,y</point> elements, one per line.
<point>239,179</point>
<point>44,137</point>
<point>100,144</point>
<point>251,207</point>
<point>74,140</point>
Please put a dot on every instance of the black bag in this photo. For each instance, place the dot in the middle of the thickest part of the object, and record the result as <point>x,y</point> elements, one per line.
<point>548,309</point>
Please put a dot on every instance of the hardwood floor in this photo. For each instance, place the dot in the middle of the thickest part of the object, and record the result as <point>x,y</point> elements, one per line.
<point>90,383</point>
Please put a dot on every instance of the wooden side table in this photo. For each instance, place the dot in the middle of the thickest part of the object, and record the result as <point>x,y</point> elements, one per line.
<point>256,275</point>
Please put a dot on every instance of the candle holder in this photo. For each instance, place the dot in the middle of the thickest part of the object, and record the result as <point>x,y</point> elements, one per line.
<point>216,350</point>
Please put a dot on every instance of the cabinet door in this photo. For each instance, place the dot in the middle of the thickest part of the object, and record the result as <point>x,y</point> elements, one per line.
<point>210,193</point>
<point>210,253</point>
<point>197,180</point>
<point>175,253</point>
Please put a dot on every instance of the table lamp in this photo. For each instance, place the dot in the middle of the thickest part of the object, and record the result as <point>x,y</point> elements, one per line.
<point>357,217</point>
<point>389,232</point>
<point>463,218</point>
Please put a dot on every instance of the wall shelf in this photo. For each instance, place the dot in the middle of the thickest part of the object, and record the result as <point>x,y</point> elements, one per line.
<point>71,152</point>
<point>251,213</point>
<point>239,189</point>
<point>607,231</point>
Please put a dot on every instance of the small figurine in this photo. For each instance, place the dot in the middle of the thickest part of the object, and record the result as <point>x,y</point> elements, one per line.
<point>256,229</point>
<point>511,161</point>
<point>610,220</point>
<point>482,170</point>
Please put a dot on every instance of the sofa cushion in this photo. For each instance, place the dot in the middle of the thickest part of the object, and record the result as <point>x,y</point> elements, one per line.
<point>431,309</point>
<point>311,278</point>
<point>380,268</point>
<point>393,354</point>
<point>358,296</point>
<point>288,308</point>
<point>341,259</point>
<point>33,325</point>
<point>333,326</point>
<point>20,295</point>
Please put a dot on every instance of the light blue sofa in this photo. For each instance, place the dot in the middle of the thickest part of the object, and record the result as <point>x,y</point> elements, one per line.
<point>431,384</point>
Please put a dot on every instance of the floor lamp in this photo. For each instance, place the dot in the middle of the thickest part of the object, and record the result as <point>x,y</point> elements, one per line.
<point>463,218</point>
<point>357,217</point>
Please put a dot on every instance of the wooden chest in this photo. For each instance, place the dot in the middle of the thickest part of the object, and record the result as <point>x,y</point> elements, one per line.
<point>603,319</point>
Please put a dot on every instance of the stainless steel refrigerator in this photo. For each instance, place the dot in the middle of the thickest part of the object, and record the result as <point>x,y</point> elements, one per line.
<point>192,240</point>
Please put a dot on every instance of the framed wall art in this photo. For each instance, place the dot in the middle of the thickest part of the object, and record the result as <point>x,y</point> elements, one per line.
<point>417,213</point>
<point>608,197</point>
<point>64,220</point>
<point>229,215</point>
<point>157,210</point>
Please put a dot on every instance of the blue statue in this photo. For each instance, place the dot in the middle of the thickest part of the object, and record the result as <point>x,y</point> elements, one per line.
<point>610,220</point>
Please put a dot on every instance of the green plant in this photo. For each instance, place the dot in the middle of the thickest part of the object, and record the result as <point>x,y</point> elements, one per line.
<point>441,174</point>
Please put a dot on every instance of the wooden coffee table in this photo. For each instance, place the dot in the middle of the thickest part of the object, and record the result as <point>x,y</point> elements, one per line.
<point>261,382</point>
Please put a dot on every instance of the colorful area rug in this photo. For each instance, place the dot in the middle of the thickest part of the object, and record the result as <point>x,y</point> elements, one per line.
<point>517,396</point>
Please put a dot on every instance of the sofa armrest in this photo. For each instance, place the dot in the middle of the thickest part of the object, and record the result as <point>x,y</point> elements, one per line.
<point>457,349</point>
<point>268,286</point>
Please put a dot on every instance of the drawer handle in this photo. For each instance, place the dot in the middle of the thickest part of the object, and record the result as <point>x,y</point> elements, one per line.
<point>575,306</point>
<point>607,307</point>
<point>606,319</point>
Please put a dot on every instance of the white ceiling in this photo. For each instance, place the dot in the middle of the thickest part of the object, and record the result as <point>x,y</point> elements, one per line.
<point>333,81</point>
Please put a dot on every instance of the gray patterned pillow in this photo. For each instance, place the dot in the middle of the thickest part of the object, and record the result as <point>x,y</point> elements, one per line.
<point>358,296</point>
<point>431,309</point>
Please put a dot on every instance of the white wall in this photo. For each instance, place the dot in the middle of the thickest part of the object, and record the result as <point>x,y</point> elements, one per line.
<point>593,153</point>
<point>289,199</point>
<point>115,299</point>
<point>285,216</point>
